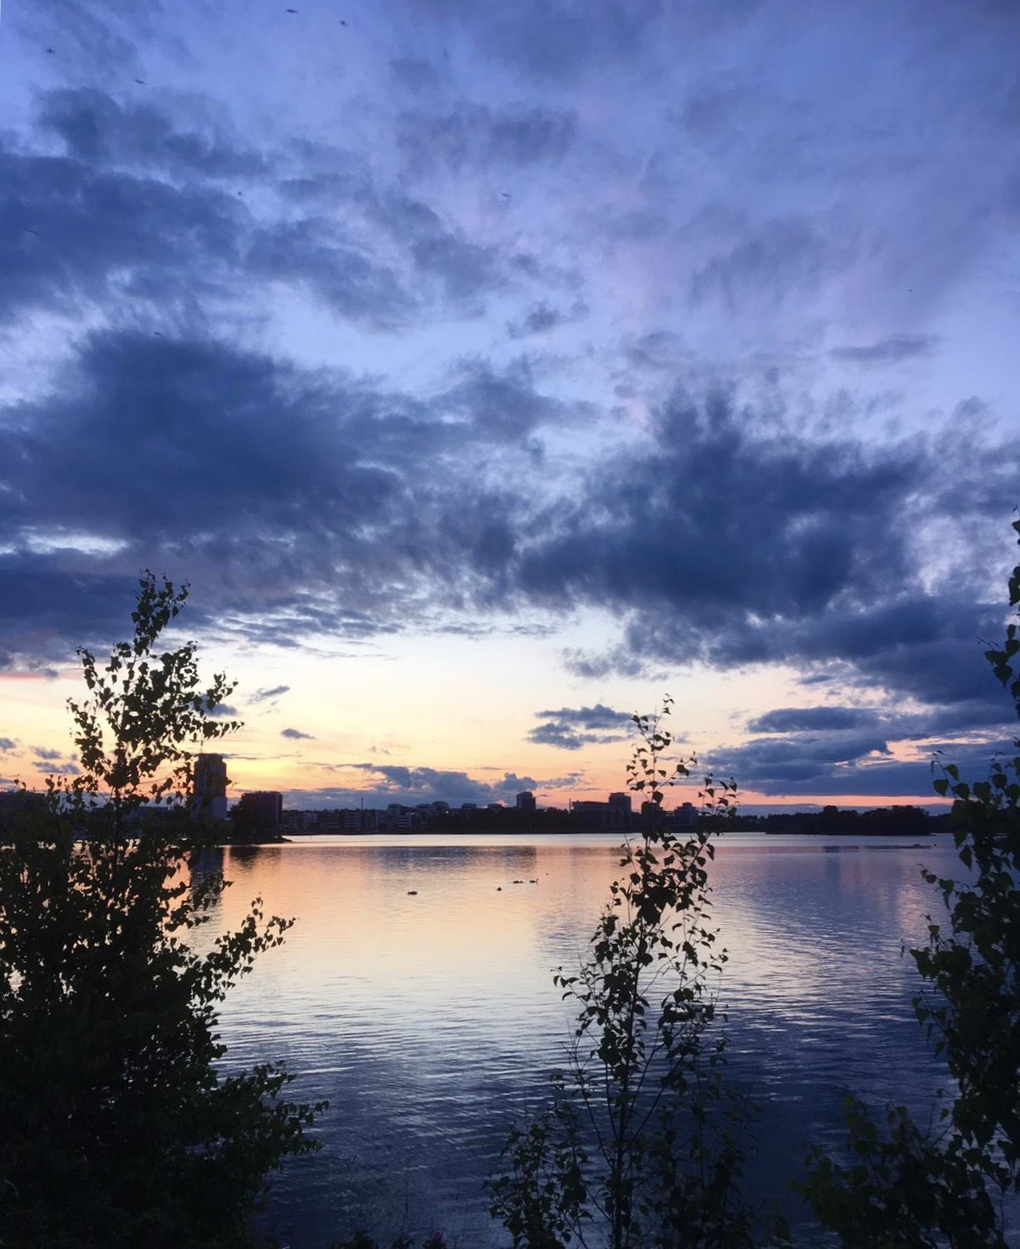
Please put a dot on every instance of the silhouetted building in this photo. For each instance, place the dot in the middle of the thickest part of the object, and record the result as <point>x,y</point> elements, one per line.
<point>261,809</point>
<point>613,816</point>
<point>209,788</point>
<point>526,801</point>
<point>618,814</point>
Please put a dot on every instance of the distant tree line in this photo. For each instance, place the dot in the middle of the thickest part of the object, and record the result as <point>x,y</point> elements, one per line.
<point>249,821</point>
<point>905,821</point>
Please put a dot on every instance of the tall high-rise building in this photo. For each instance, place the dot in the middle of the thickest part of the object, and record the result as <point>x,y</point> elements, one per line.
<point>209,788</point>
<point>526,801</point>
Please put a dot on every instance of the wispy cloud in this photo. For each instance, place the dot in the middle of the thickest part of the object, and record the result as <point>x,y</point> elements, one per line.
<point>265,695</point>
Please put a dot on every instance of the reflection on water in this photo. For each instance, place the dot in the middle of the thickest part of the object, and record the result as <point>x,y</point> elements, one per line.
<point>415,993</point>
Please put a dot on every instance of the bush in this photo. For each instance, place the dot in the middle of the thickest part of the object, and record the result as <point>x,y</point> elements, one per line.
<point>117,1124</point>
<point>950,1182</point>
<point>641,1147</point>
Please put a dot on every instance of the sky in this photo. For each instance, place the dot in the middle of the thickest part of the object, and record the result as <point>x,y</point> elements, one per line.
<point>490,371</point>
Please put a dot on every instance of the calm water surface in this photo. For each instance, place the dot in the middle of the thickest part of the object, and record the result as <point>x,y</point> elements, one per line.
<point>430,1020</point>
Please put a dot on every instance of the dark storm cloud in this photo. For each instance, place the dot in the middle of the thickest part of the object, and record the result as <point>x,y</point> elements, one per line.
<point>570,728</point>
<point>145,202</point>
<point>309,499</point>
<point>297,735</point>
<point>556,735</point>
<point>962,717</point>
<point>719,519</point>
<point>344,268</point>
<point>71,232</point>
<point>802,757</point>
<point>889,351</point>
<point>597,717</point>
<point>817,766</point>
<point>412,786</point>
<point>49,604</point>
<point>156,439</point>
<point>832,750</point>
<point>734,540</point>
<point>298,501</point>
<point>797,719</point>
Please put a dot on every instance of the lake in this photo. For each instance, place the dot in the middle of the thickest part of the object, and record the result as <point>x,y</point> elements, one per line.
<point>430,1020</point>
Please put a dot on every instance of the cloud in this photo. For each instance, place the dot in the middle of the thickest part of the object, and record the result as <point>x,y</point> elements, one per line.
<point>144,202</point>
<point>298,500</point>
<point>597,717</point>
<point>47,755</point>
<point>771,764</point>
<point>557,735</point>
<point>817,766</point>
<point>349,280</point>
<point>53,762</point>
<point>51,603</point>
<point>70,232</point>
<point>410,785</point>
<point>479,137</point>
<point>543,317</point>
<point>888,351</point>
<point>297,735</point>
<point>8,743</point>
<point>559,42</point>
<point>570,728</point>
<point>99,130</point>
<point>264,695</point>
<point>959,720</point>
<point>801,719</point>
<point>731,541</point>
<point>414,75</point>
<point>780,259</point>
<point>832,750</point>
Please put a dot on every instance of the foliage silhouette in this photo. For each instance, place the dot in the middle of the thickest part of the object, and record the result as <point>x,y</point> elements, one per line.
<point>641,1144</point>
<point>117,1126</point>
<point>951,1182</point>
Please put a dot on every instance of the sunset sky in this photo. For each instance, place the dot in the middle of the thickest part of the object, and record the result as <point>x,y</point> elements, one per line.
<point>491,370</point>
